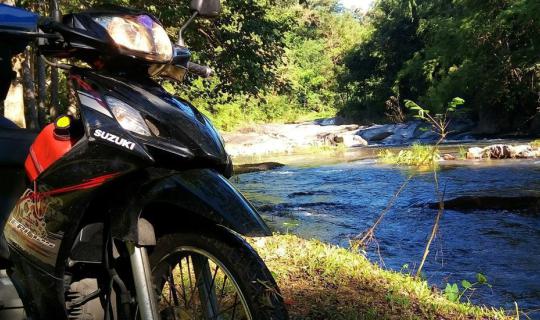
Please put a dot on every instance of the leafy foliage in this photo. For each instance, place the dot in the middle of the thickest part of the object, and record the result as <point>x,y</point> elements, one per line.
<point>417,155</point>
<point>453,293</point>
<point>430,51</point>
<point>439,121</point>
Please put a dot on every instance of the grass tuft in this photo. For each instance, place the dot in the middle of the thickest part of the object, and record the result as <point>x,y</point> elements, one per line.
<point>320,281</point>
<point>417,155</point>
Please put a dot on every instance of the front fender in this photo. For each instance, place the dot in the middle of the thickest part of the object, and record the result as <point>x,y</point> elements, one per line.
<point>200,193</point>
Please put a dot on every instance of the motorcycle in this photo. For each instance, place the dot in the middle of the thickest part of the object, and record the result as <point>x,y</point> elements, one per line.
<point>123,210</point>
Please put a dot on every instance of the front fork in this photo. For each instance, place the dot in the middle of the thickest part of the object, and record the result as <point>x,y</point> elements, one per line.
<point>144,286</point>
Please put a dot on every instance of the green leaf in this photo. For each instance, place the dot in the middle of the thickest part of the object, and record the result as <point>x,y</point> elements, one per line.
<point>482,279</point>
<point>451,292</point>
<point>456,102</point>
<point>412,105</point>
<point>466,284</point>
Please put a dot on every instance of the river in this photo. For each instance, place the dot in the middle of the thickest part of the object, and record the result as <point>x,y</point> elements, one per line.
<point>335,202</point>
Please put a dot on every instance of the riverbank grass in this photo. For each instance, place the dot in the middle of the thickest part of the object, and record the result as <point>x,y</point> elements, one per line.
<point>417,155</point>
<point>320,281</point>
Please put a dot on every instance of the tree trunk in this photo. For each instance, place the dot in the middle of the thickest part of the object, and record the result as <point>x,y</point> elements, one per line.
<point>41,75</point>
<point>31,112</point>
<point>54,92</point>
<point>14,103</point>
<point>54,108</point>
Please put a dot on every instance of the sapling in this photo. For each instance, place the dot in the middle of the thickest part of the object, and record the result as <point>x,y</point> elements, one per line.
<point>440,124</point>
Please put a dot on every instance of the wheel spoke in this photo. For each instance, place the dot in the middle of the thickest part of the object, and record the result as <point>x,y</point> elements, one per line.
<point>182,282</point>
<point>221,295</point>
<point>192,289</point>
<point>234,305</point>
<point>209,292</point>
<point>173,287</point>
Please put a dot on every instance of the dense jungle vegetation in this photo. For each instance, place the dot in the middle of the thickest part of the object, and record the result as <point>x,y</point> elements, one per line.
<point>291,60</point>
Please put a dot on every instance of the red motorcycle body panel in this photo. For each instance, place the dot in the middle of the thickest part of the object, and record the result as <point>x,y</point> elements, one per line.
<point>46,150</point>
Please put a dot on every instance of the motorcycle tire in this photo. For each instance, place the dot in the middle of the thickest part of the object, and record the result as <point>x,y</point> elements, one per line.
<point>213,274</point>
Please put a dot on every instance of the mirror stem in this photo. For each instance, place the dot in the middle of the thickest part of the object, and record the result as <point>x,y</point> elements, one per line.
<point>180,33</point>
<point>55,10</point>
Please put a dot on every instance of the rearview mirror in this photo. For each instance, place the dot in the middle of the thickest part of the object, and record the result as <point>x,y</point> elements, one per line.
<point>206,8</point>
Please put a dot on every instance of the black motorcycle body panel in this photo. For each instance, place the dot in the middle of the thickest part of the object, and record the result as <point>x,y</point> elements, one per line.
<point>102,180</point>
<point>185,137</point>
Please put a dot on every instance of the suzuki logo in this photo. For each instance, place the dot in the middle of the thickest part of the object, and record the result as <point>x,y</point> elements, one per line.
<point>114,139</point>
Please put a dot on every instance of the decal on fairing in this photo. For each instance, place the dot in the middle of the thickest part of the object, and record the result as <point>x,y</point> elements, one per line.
<point>28,214</point>
<point>27,225</point>
<point>114,139</point>
<point>94,103</point>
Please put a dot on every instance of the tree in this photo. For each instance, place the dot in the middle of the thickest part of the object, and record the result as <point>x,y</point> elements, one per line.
<point>484,51</point>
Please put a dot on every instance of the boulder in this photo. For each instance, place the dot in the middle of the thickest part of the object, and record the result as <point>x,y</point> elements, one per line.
<point>475,153</point>
<point>498,151</point>
<point>522,151</point>
<point>336,121</point>
<point>528,204</point>
<point>325,122</point>
<point>377,132</point>
<point>329,139</point>
<point>391,134</point>
<point>403,133</point>
<point>351,140</point>
<point>448,157</point>
<point>502,151</point>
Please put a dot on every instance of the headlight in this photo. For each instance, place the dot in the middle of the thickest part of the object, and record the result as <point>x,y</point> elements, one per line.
<point>128,118</point>
<point>140,34</point>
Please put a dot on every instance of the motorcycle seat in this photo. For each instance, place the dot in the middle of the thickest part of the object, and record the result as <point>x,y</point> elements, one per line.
<point>15,143</point>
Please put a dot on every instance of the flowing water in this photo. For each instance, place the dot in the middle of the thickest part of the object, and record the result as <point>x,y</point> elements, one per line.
<point>336,202</point>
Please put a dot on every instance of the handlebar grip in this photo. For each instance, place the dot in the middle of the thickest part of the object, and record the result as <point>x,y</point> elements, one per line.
<point>201,71</point>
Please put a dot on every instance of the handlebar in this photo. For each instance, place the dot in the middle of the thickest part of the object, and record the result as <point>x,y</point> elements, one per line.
<point>201,71</point>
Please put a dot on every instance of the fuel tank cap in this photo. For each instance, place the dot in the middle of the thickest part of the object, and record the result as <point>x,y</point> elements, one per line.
<point>61,127</point>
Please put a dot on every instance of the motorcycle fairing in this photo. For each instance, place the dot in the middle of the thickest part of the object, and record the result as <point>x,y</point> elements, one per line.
<point>184,138</point>
<point>44,221</point>
<point>36,226</point>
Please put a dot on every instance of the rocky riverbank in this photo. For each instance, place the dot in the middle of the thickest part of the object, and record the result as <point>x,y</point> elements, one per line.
<point>288,138</point>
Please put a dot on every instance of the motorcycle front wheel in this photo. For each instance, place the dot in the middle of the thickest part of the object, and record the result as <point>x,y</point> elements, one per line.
<point>213,274</point>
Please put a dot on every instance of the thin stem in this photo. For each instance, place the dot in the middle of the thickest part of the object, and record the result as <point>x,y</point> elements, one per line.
<point>435,228</point>
<point>369,233</point>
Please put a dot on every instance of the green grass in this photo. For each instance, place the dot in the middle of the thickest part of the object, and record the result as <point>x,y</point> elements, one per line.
<point>416,155</point>
<point>462,153</point>
<point>320,281</point>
